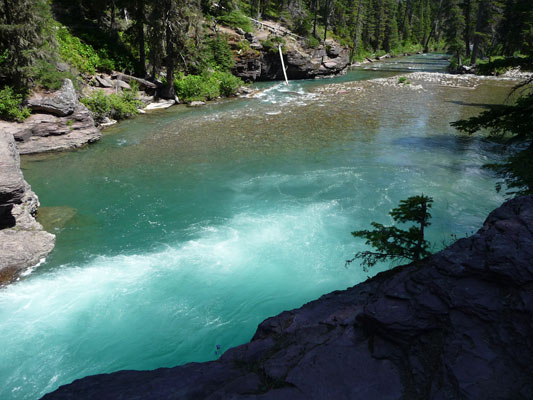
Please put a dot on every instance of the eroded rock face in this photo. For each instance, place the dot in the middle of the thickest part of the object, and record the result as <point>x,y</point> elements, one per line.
<point>12,185</point>
<point>455,326</point>
<point>23,242</point>
<point>327,60</point>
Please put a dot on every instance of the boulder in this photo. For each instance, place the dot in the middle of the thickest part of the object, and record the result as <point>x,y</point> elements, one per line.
<point>456,325</point>
<point>12,185</point>
<point>143,83</point>
<point>160,105</point>
<point>61,103</point>
<point>103,82</point>
<point>121,84</point>
<point>196,103</point>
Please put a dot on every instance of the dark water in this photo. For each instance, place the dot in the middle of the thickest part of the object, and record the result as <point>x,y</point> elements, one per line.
<point>184,229</point>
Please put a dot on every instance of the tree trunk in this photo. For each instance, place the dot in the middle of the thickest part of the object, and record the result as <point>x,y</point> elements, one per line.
<point>316,17</point>
<point>167,92</point>
<point>356,31</point>
<point>326,17</point>
<point>140,34</point>
<point>468,12</point>
<point>477,37</point>
<point>433,27</point>
<point>113,15</point>
<point>7,12</point>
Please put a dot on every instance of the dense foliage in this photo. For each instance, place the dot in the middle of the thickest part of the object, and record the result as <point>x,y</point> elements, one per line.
<point>45,41</point>
<point>10,106</point>
<point>393,243</point>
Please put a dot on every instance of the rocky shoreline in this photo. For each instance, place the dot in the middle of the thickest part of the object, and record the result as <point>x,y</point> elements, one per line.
<point>457,325</point>
<point>23,242</point>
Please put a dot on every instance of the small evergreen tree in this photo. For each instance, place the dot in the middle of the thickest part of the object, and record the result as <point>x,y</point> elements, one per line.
<point>392,242</point>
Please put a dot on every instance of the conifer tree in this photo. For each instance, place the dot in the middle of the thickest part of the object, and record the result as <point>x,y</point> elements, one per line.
<point>391,242</point>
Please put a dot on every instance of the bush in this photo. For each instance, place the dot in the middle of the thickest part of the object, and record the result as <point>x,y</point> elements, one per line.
<point>228,83</point>
<point>236,19</point>
<point>272,42</point>
<point>206,86</point>
<point>116,106</point>
<point>11,106</point>
<point>197,87</point>
<point>404,80</point>
<point>48,76</point>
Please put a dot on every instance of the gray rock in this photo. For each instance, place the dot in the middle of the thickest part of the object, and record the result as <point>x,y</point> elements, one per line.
<point>457,325</point>
<point>143,84</point>
<point>12,185</point>
<point>121,84</point>
<point>61,103</point>
<point>240,31</point>
<point>103,81</point>
<point>196,103</point>
<point>23,242</point>
<point>51,133</point>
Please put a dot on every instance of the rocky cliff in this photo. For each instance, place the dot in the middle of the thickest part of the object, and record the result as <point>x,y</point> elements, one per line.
<point>23,242</point>
<point>257,55</point>
<point>456,326</point>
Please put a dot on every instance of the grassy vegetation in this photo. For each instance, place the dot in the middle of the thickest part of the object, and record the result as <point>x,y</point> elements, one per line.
<point>207,86</point>
<point>11,108</point>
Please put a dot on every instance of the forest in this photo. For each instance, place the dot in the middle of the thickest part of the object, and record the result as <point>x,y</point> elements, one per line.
<point>147,37</point>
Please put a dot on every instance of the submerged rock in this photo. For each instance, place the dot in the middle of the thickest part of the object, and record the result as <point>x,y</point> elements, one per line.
<point>457,325</point>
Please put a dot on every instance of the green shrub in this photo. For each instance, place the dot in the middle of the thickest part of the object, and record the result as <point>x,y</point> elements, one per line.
<point>197,87</point>
<point>404,80</point>
<point>221,55</point>
<point>117,106</point>
<point>228,83</point>
<point>47,76</point>
<point>312,42</point>
<point>236,19</point>
<point>272,42</point>
<point>11,106</point>
<point>206,86</point>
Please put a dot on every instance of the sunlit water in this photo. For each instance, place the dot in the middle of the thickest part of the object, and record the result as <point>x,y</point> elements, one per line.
<point>183,230</point>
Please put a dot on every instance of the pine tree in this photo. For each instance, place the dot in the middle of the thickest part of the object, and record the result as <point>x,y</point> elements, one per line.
<point>25,36</point>
<point>392,242</point>
<point>454,29</point>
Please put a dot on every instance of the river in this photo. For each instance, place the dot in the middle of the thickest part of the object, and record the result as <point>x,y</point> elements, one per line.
<point>182,230</point>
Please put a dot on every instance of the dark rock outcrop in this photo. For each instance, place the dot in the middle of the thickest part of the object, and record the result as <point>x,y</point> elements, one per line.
<point>328,59</point>
<point>23,242</point>
<point>458,325</point>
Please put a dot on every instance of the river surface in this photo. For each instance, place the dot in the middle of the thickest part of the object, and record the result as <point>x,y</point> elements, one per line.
<point>183,229</point>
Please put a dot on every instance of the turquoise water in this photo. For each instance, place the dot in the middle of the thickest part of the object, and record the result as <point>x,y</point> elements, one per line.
<point>189,227</point>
